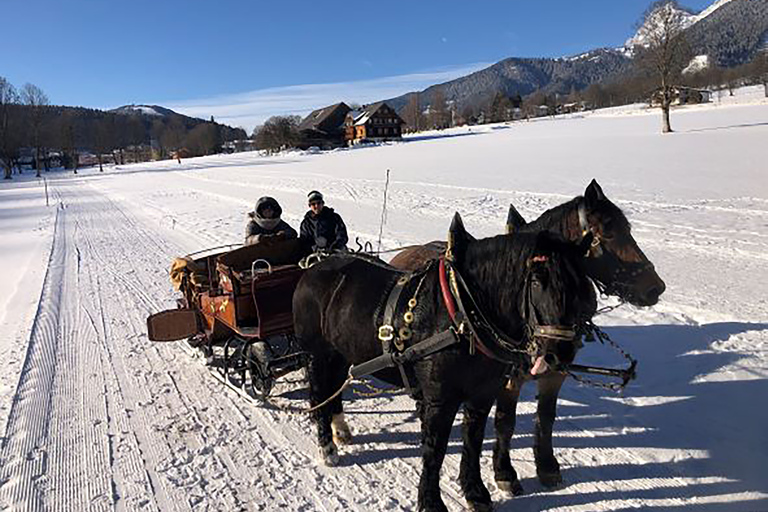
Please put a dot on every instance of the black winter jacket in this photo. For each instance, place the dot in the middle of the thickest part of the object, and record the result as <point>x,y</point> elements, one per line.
<point>259,226</point>
<point>254,232</point>
<point>324,232</point>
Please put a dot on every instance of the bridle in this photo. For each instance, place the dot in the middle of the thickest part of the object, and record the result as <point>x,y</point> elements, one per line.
<point>619,279</point>
<point>470,321</point>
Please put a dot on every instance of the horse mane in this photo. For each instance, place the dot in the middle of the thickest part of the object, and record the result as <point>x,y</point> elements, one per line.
<point>561,218</point>
<point>558,218</point>
<point>496,269</point>
<point>497,281</point>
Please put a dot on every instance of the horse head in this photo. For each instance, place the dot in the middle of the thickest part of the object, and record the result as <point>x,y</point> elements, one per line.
<point>531,287</point>
<point>614,259</point>
<point>558,298</point>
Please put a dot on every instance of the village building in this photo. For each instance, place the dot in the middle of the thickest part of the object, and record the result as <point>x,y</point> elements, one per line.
<point>324,127</point>
<point>682,96</point>
<point>373,123</point>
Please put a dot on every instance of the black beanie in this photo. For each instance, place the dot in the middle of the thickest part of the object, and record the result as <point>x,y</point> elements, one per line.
<point>315,196</point>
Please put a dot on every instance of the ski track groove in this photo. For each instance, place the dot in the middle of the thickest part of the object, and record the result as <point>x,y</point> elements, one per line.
<point>24,455</point>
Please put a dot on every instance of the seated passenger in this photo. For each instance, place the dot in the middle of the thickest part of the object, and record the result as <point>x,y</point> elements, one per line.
<point>265,224</point>
<point>322,228</point>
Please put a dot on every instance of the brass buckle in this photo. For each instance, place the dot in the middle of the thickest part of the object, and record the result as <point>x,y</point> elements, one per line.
<point>386,333</point>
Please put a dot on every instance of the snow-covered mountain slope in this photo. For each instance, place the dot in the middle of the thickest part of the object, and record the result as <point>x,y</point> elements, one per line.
<point>667,13</point>
<point>94,416</point>
<point>147,110</point>
<point>728,32</point>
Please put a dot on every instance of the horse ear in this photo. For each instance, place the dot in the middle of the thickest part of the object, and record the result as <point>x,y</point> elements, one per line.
<point>458,238</point>
<point>594,193</point>
<point>514,220</point>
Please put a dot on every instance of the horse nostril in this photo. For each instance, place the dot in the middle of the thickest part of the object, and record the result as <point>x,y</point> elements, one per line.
<point>653,294</point>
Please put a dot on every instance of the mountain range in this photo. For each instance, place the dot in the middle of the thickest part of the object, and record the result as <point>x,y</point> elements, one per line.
<point>728,32</point>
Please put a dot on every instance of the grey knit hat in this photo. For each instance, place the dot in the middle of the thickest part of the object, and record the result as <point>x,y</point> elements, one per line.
<point>315,196</point>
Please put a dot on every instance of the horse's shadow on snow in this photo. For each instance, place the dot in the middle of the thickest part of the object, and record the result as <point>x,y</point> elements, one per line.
<point>721,424</point>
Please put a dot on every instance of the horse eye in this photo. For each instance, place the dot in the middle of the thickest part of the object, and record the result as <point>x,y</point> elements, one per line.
<point>537,281</point>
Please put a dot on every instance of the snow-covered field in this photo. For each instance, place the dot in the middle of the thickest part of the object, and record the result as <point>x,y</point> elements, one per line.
<point>93,416</point>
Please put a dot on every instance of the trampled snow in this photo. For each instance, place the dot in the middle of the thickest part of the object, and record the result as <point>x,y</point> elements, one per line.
<point>94,416</point>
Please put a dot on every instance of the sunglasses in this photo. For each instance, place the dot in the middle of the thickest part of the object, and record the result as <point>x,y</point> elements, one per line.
<point>315,203</point>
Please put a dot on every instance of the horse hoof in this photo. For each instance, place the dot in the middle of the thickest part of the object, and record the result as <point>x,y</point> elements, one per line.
<point>340,429</point>
<point>514,488</point>
<point>330,455</point>
<point>550,480</point>
<point>343,437</point>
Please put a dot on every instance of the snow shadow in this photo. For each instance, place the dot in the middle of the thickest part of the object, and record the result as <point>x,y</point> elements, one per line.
<point>696,403</point>
<point>690,396</point>
<point>434,136</point>
<point>716,128</point>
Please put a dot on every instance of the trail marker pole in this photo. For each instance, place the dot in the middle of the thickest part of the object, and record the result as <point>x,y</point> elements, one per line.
<point>383,212</point>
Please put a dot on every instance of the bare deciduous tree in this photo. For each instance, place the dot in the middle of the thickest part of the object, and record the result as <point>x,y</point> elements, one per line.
<point>759,70</point>
<point>69,138</point>
<point>8,139</point>
<point>36,100</point>
<point>500,108</point>
<point>103,139</point>
<point>278,133</point>
<point>664,51</point>
<point>439,116</point>
<point>412,114</point>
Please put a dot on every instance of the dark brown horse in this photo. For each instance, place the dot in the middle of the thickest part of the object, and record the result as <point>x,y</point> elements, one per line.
<point>614,262</point>
<point>519,298</point>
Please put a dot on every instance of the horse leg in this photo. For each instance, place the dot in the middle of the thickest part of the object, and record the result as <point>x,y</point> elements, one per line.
<point>436,422</point>
<point>319,391</point>
<point>547,467</point>
<point>473,432</point>
<point>506,418</point>
<point>339,428</point>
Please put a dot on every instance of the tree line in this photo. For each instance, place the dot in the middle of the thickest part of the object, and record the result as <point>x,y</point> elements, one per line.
<point>59,135</point>
<point>656,70</point>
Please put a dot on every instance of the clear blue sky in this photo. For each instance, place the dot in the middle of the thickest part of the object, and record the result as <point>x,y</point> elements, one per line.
<point>106,53</point>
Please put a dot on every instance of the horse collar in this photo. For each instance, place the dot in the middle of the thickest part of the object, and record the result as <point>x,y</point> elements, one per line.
<point>447,293</point>
<point>497,346</point>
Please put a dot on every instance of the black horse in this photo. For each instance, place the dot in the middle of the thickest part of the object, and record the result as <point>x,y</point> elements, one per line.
<point>618,266</point>
<point>531,288</point>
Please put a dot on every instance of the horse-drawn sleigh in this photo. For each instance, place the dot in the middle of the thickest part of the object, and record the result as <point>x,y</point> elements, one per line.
<point>454,326</point>
<point>236,309</point>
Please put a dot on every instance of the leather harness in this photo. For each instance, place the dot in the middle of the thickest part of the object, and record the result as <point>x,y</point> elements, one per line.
<point>466,323</point>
